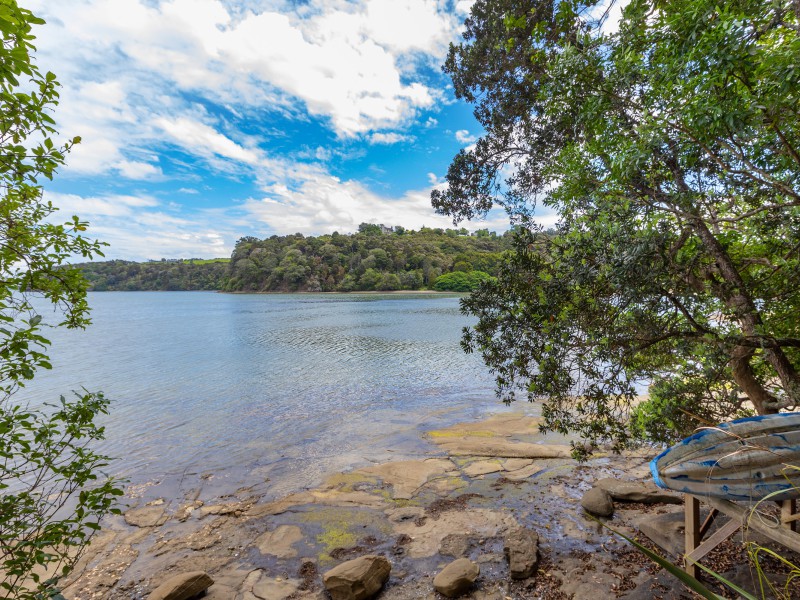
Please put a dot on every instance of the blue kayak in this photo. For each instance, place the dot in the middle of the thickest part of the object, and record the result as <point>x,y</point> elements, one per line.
<point>748,459</point>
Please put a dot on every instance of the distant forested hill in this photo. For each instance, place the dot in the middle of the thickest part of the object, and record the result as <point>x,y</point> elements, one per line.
<point>376,258</point>
<point>164,275</point>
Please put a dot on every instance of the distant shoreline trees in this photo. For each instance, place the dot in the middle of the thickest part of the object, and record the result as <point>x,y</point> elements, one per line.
<point>376,258</point>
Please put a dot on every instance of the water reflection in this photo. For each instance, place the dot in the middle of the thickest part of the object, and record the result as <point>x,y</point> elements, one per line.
<point>293,385</point>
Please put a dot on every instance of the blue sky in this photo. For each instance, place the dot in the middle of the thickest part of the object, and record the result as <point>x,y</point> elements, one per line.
<point>207,120</point>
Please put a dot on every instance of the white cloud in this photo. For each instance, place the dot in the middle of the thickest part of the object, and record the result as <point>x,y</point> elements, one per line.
<point>464,6</point>
<point>203,140</point>
<point>348,62</point>
<point>140,76</point>
<point>138,228</point>
<point>464,137</point>
<point>87,207</point>
<point>390,138</point>
<point>137,169</point>
<point>324,204</point>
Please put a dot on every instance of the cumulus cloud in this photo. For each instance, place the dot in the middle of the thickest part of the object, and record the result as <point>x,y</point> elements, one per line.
<point>151,87</point>
<point>141,228</point>
<point>137,170</point>
<point>324,204</point>
<point>347,62</point>
<point>464,137</point>
<point>390,138</point>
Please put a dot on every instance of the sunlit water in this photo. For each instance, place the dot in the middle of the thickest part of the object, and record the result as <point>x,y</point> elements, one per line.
<point>271,391</point>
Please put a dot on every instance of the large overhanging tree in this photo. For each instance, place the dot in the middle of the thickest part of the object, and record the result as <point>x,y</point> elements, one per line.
<point>669,149</point>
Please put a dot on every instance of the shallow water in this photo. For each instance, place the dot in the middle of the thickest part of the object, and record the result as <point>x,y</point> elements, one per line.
<point>267,390</point>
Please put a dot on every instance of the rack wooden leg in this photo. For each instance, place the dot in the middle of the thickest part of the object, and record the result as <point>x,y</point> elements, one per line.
<point>692,530</point>
<point>788,508</point>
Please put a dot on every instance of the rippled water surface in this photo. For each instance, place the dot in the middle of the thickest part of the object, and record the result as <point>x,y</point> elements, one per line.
<point>267,388</point>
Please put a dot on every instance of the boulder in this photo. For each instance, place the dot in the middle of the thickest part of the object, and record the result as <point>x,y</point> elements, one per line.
<point>182,587</point>
<point>598,502</point>
<point>456,578</point>
<point>357,579</point>
<point>522,552</point>
<point>645,492</point>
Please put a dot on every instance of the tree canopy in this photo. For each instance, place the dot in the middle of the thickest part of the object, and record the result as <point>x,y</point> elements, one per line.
<point>51,494</point>
<point>669,150</point>
<point>376,258</point>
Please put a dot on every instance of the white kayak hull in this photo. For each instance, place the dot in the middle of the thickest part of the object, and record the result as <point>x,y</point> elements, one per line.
<point>748,459</point>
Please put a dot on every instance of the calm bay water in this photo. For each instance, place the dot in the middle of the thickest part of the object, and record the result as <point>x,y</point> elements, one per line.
<point>271,391</point>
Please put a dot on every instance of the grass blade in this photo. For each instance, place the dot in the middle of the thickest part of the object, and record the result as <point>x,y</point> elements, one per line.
<point>687,580</point>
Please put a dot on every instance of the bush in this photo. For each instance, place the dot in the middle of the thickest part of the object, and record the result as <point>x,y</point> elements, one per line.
<point>458,281</point>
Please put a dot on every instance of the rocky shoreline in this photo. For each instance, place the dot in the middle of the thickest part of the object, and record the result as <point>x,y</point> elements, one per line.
<point>495,516</point>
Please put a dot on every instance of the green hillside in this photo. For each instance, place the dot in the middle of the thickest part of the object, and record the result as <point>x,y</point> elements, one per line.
<point>376,258</point>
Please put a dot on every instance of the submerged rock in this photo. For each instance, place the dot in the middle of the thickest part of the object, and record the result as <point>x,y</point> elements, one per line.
<point>598,502</point>
<point>407,476</point>
<point>182,587</point>
<point>456,544</point>
<point>280,542</point>
<point>456,578</point>
<point>522,552</point>
<point>357,579</point>
<point>147,516</point>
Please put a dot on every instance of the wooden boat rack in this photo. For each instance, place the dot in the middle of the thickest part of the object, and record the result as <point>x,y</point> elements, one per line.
<point>740,517</point>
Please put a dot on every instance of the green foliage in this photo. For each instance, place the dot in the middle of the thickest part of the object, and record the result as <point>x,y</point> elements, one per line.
<point>167,275</point>
<point>670,152</point>
<point>459,281</point>
<point>371,260</point>
<point>374,259</point>
<point>51,496</point>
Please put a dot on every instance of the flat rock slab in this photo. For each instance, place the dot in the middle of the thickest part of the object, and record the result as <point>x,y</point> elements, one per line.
<point>347,498</point>
<point>667,531</point>
<point>524,473</point>
<point>456,545</point>
<point>502,448</point>
<point>280,542</point>
<point>482,467</point>
<point>182,587</point>
<point>407,476</point>
<point>275,588</point>
<point>426,538</point>
<point>456,578</point>
<point>358,579</point>
<point>147,516</point>
<point>645,492</point>
<point>405,514</point>
<point>502,425</point>
<point>515,464</point>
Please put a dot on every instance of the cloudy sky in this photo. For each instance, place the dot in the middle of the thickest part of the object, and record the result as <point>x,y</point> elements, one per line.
<point>206,120</point>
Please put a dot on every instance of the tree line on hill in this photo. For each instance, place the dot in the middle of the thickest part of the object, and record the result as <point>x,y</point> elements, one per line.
<point>376,258</point>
